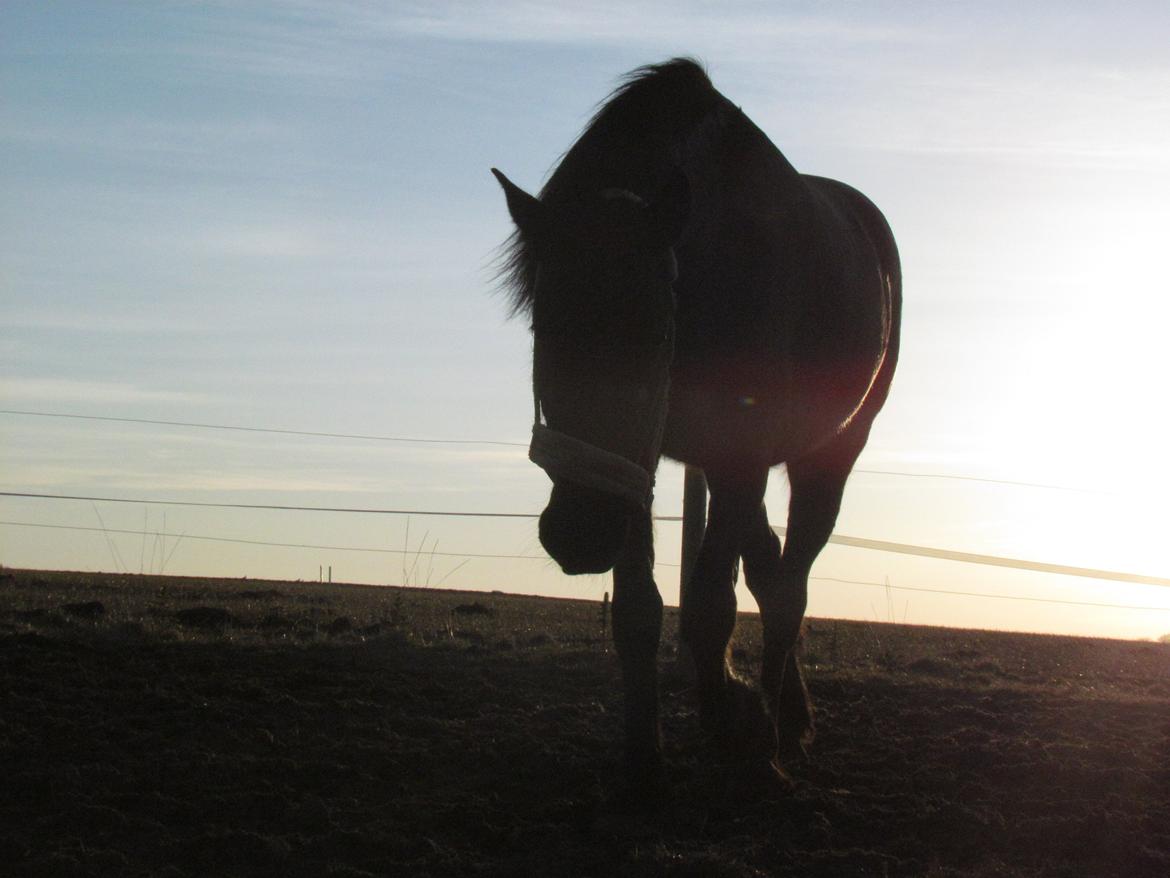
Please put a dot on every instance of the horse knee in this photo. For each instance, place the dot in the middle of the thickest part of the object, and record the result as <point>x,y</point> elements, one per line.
<point>761,561</point>
<point>708,628</point>
<point>637,622</point>
<point>782,618</point>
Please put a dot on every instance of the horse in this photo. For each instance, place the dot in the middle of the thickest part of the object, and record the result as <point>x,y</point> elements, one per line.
<point>691,295</point>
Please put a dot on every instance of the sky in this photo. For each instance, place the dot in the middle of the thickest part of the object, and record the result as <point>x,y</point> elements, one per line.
<point>280,216</point>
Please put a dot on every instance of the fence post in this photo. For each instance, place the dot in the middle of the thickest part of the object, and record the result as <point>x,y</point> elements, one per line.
<point>694,524</point>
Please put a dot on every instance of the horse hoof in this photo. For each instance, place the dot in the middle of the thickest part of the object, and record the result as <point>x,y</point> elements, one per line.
<point>794,740</point>
<point>644,779</point>
<point>791,754</point>
<point>743,726</point>
<point>757,780</point>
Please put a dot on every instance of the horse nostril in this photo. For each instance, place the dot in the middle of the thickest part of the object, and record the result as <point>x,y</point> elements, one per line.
<point>555,534</point>
<point>584,533</point>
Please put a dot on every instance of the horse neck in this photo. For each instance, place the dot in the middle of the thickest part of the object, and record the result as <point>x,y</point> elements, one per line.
<point>640,151</point>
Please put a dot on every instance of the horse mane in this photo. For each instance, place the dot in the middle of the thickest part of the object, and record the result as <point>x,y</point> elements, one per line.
<point>642,131</point>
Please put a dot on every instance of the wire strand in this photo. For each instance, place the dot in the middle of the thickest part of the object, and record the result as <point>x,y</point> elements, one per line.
<point>239,541</point>
<point>319,435</point>
<point>836,539</point>
<point>493,442</point>
<point>270,506</point>
<point>405,551</point>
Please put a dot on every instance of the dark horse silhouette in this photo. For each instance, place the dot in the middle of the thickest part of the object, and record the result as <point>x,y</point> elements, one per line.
<point>692,295</point>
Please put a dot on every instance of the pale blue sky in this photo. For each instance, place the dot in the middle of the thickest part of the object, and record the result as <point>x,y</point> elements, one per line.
<point>280,215</point>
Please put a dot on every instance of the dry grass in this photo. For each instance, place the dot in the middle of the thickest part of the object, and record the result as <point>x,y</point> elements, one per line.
<point>182,726</point>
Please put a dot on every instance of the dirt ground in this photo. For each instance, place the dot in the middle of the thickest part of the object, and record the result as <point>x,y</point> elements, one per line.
<point>172,727</point>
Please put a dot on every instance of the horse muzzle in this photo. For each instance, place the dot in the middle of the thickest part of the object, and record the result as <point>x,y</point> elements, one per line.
<point>584,530</point>
<point>594,497</point>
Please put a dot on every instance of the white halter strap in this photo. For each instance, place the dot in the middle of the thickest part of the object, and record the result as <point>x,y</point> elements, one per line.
<point>562,456</point>
<point>566,457</point>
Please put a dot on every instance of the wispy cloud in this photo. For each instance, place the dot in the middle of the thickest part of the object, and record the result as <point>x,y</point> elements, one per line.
<point>623,23</point>
<point>75,320</point>
<point>269,240</point>
<point>57,390</point>
<point>1073,114</point>
<point>114,481</point>
<point>244,483</point>
<point>141,136</point>
<point>326,43</point>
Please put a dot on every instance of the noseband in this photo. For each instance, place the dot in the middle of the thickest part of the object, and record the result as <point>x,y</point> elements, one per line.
<point>563,456</point>
<point>566,457</point>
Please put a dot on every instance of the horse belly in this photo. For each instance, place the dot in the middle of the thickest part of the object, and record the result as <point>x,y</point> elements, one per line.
<point>769,403</point>
<point>759,416</point>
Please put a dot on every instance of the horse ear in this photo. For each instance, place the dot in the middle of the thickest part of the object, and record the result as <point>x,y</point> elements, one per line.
<point>671,210</point>
<point>527,212</point>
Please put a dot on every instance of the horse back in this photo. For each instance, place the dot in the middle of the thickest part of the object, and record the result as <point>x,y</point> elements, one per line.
<point>852,295</point>
<point>875,241</point>
<point>845,307</point>
<point>792,332</point>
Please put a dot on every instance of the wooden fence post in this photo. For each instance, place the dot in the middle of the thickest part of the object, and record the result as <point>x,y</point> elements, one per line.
<point>694,524</point>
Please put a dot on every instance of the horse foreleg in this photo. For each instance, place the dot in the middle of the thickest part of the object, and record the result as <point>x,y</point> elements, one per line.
<point>731,711</point>
<point>637,629</point>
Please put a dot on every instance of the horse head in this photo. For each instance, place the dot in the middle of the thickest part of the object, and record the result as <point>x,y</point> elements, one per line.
<point>602,306</point>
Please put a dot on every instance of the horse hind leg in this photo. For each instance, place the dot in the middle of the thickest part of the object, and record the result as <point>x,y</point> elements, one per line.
<point>779,579</point>
<point>781,598</point>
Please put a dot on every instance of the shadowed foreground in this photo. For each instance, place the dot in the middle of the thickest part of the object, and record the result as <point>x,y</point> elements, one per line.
<point>185,727</point>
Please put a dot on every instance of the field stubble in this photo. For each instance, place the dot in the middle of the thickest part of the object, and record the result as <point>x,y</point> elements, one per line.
<point>159,725</point>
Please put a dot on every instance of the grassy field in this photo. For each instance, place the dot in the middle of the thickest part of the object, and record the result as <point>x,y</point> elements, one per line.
<point>168,726</point>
